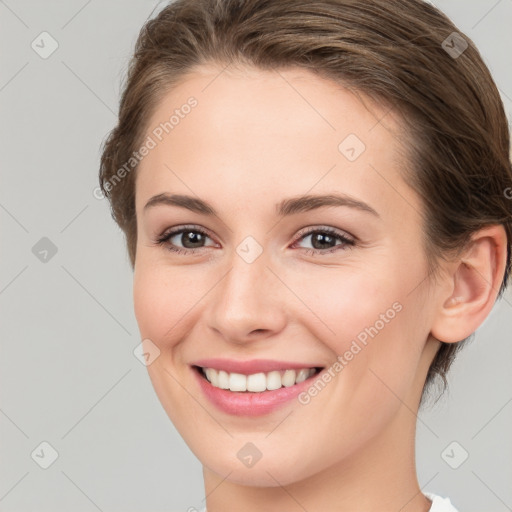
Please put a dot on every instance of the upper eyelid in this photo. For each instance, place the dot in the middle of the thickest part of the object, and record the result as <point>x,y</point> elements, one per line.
<point>315,228</point>
<point>179,229</point>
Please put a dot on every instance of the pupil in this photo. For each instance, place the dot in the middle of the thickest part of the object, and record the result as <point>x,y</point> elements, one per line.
<point>191,239</point>
<point>319,238</point>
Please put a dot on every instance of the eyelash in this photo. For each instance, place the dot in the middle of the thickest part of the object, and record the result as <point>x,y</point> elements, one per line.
<point>346,242</point>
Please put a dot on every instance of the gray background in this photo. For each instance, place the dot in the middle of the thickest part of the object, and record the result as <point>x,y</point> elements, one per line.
<point>67,369</point>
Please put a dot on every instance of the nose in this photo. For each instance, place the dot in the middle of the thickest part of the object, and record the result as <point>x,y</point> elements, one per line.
<point>247,304</point>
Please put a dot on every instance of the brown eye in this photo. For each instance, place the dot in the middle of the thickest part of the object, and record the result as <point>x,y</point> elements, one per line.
<point>184,240</point>
<point>325,240</point>
<point>190,239</point>
<point>321,240</point>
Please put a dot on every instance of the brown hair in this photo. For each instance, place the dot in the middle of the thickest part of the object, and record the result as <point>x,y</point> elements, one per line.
<point>403,53</point>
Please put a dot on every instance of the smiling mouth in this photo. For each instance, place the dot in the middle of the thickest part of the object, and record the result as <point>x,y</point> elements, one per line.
<point>256,382</point>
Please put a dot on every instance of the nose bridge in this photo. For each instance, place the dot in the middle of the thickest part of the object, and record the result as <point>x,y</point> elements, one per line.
<point>245,300</point>
<point>244,281</point>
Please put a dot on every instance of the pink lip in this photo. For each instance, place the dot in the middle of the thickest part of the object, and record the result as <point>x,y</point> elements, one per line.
<point>248,403</point>
<point>252,366</point>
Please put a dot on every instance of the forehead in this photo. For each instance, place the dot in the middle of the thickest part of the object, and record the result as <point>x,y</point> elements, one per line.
<point>269,133</point>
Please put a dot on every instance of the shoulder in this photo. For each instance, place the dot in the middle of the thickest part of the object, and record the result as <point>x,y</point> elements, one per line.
<point>440,504</point>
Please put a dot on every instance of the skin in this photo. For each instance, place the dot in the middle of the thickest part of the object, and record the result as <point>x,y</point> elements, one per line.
<point>255,139</point>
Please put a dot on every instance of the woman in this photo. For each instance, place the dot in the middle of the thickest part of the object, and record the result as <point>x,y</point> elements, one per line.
<point>314,200</point>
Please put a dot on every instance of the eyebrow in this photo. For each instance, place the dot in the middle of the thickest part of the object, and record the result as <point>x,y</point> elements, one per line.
<point>286,207</point>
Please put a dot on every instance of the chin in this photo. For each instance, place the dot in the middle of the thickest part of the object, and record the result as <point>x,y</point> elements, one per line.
<point>275,471</point>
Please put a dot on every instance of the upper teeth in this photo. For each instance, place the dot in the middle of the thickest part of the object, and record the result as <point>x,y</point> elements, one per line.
<point>256,382</point>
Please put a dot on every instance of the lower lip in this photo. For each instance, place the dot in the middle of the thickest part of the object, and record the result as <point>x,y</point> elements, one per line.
<point>240,403</point>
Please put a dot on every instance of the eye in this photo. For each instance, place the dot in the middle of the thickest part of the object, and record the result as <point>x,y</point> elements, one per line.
<point>325,240</point>
<point>184,240</point>
<point>188,240</point>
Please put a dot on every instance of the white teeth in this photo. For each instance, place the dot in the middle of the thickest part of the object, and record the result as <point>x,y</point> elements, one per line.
<point>237,382</point>
<point>273,380</point>
<point>256,382</point>
<point>223,379</point>
<point>288,378</point>
<point>302,376</point>
<point>212,376</point>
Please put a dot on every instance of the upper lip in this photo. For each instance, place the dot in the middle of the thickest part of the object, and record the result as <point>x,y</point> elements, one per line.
<point>252,366</point>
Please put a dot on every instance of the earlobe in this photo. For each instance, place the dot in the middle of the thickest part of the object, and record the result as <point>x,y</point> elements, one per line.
<point>474,282</point>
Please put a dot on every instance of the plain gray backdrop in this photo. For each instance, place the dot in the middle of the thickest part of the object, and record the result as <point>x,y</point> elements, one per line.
<point>69,378</point>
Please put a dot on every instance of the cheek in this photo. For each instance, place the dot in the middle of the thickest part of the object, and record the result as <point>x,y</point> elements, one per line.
<point>371,320</point>
<point>163,299</point>
<point>347,301</point>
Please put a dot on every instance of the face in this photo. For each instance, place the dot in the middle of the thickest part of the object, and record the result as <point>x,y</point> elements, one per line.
<point>247,277</point>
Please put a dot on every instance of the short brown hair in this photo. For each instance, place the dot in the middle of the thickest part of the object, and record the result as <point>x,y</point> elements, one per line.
<point>404,53</point>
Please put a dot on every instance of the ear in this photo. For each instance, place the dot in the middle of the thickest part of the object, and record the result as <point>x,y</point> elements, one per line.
<point>473,282</point>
